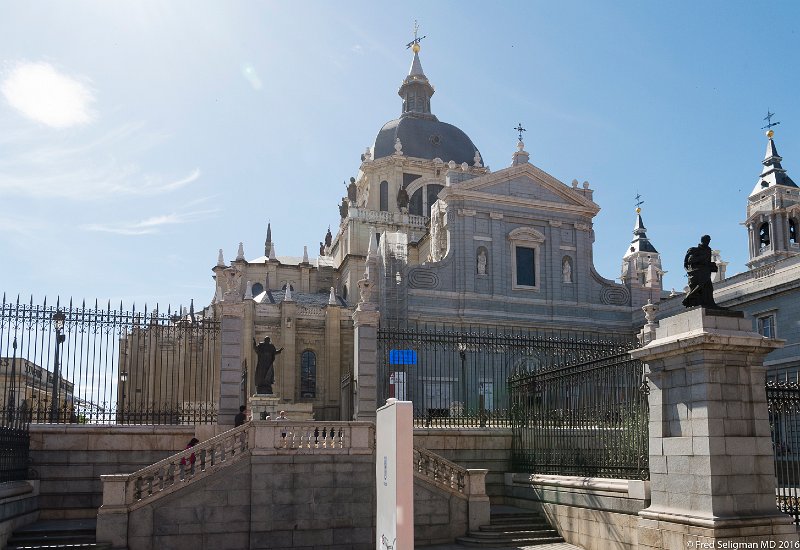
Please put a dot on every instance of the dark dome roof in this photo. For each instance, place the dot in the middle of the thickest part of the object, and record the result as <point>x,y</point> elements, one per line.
<point>425,137</point>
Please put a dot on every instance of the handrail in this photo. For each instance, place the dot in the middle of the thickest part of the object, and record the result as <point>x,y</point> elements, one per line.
<point>440,470</point>
<point>187,465</point>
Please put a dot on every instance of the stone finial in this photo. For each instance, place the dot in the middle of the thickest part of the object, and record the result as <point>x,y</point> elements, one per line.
<point>586,185</point>
<point>464,167</point>
<point>398,147</point>
<point>372,249</point>
<point>287,297</point>
<point>240,253</point>
<point>272,253</point>
<point>305,254</point>
<point>521,156</point>
<point>574,184</point>
<point>220,259</point>
<point>248,291</point>
<point>332,297</point>
<point>477,160</point>
<point>452,165</point>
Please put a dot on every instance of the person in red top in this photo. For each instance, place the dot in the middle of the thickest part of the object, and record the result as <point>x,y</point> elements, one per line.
<point>194,441</point>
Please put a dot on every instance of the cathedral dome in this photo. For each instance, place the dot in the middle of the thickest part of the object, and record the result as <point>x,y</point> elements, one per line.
<point>421,134</point>
<point>426,138</point>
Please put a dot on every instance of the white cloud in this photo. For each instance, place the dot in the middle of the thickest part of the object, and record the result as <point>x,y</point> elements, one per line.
<point>150,225</point>
<point>42,93</point>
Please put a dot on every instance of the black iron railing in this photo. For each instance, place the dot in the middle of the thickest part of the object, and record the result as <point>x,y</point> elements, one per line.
<point>588,419</point>
<point>63,363</point>
<point>783,398</point>
<point>457,376</point>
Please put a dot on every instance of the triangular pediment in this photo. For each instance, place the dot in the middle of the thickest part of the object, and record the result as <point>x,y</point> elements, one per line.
<point>527,184</point>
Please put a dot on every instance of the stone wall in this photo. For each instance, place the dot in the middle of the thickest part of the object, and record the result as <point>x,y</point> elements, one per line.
<point>71,458</point>
<point>471,448</point>
<point>594,513</point>
<point>439,515</point>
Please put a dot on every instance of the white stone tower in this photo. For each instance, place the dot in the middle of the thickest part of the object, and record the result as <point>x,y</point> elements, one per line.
<point>641,267</point>
<point>773,211</point>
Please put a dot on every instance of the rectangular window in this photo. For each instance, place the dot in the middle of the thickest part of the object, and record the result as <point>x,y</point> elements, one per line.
<point>766,326</point>
<point>526,272</point>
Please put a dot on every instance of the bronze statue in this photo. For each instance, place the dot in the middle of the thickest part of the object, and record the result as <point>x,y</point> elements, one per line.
<point>352,190</point>
<point>265,371</point>
<point>343,208</point>
<point>402,198</point>
<point>699,267</point>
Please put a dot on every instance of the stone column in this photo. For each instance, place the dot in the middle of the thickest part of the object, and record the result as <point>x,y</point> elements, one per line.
<point>711,461</point>
<point>365,364</point>
<point>230,376</point>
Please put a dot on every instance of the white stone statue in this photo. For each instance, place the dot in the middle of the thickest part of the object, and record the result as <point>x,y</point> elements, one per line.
<point>566,271</point>
<point>398,147</point>
<point>482,262</point>
<point>477,159</point>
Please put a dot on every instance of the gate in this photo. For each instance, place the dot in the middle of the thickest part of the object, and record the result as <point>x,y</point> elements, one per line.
<point>588,419</point>
<point>783,399</point>
<point>458,376</point>
<point>93,365</point>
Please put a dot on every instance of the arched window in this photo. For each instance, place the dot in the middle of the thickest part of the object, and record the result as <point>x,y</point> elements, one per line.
<point>258,288</point>
<point>415,203</point>
<point>763,235</point>
<point>384,206</point>
<point>792,231</point>
<point>308,374</point>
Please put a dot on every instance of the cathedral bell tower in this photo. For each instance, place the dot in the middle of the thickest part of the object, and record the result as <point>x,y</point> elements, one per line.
<point>641,266</point>
<point>773,211</point>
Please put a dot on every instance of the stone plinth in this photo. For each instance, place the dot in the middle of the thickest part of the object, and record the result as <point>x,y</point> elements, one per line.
<point>365,363</point>
<point>262,406</point>
<point>711,462</point>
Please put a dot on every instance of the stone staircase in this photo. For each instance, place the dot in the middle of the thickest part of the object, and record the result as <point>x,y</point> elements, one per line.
<point>511,527</point>
<point>78,534</point>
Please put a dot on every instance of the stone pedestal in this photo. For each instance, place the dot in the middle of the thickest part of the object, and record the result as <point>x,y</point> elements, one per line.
<point>711,462</point>
<point>262,406</point>
<point>232,362</point>
<point>365,364</point>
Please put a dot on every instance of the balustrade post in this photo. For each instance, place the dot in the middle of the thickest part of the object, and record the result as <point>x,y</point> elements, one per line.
<point>478,501</point>
<point>112,517</point>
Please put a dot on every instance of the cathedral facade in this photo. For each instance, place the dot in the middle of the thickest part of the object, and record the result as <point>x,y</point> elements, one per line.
<point>458,244</point>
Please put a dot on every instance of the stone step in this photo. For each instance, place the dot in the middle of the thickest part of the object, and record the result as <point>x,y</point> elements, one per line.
<point>507,542</point>
<point>524,526</point>
<point>77,534</point>
<point>483,535</point>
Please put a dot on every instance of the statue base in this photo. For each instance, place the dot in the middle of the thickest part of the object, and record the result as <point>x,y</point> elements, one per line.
<point>263,405</point>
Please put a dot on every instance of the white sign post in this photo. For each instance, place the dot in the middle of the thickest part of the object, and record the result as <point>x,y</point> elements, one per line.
<point>394,474</point>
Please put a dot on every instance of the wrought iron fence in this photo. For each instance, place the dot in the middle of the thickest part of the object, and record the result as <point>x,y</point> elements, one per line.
<point>457,376</point>
<point>588,419</point>
<point>64,363</point>
<point>783,399</point>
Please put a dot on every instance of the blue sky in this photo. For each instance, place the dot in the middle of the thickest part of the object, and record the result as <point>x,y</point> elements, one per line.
<point>138,138</point>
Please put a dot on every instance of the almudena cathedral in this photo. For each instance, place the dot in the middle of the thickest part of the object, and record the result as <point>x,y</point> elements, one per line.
<point>548,404</point>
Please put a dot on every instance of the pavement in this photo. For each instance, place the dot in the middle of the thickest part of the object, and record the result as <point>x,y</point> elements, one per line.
<point>551,546</point>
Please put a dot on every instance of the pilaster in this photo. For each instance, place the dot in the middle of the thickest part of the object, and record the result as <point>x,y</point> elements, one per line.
<point>286,370</point>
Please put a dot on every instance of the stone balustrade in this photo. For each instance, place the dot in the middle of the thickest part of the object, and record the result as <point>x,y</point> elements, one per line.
<point>440,470</point>
<point>125,490</point>
<point>312,437</point>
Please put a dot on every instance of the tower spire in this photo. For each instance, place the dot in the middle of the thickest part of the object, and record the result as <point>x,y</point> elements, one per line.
<point>416,90</point>
<point>268,241</point>
<point>773,173</point>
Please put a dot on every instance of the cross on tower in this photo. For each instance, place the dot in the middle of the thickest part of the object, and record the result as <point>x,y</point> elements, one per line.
<point>520,129</point>
<point>768,118</point>
<point>417,39</point>
<point>639,202</point>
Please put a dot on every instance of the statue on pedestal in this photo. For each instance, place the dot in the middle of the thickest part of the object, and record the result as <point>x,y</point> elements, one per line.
<point>265,370</point>
<point>699,267</point>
